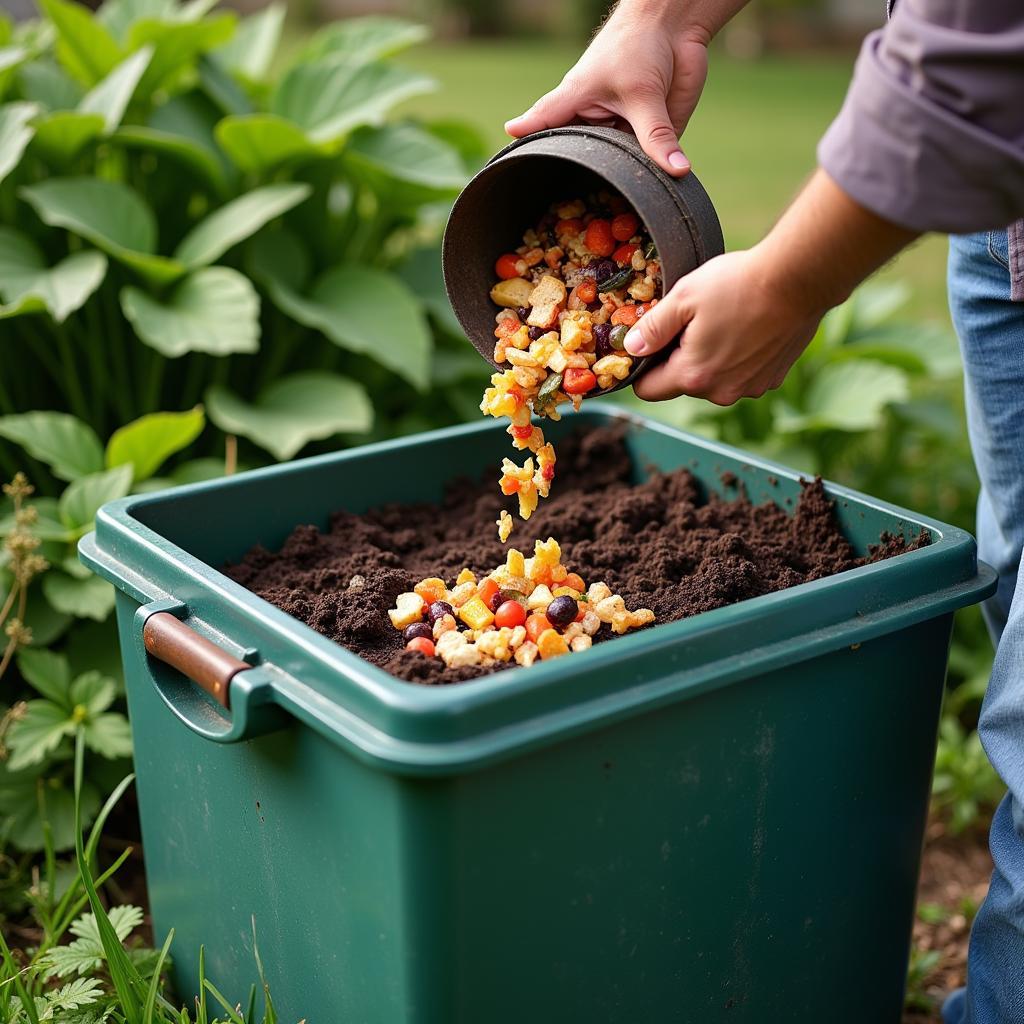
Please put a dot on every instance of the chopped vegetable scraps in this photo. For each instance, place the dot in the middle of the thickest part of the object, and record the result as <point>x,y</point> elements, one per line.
<point>582,277</point>
<point>512,613</point>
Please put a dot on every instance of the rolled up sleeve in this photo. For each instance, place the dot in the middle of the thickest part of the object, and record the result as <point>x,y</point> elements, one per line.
<point>931,135</point>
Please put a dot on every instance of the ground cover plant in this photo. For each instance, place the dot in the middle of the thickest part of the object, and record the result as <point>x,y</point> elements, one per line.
<point>200,250</point>
<point>83,395</point>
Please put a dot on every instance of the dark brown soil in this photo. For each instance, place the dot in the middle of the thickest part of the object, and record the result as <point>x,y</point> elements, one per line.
<point>661,544</point>
<point>955,875</point>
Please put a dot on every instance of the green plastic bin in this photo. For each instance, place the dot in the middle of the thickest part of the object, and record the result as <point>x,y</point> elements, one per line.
<point>718,819</point>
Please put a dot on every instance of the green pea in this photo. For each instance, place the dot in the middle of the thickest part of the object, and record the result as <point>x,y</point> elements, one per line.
<point>617,337</point>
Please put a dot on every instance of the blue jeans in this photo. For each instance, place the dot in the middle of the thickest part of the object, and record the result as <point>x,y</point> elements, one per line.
<point>991,331</point>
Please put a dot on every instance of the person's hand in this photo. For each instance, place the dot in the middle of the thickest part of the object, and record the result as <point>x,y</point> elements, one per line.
<point>740,321</point>
<point>738,333</point>
<point>644,70</point>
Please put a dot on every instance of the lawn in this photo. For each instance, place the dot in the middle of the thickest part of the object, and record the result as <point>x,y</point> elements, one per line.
<point>752,140</point>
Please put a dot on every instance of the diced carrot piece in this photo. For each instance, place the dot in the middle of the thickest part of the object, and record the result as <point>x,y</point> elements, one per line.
<point>535,625</point>
<point>487,589</point>
<point>431,590</point>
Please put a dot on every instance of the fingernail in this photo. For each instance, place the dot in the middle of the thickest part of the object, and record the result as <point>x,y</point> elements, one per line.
<point>678,161</point>
<point>634,343</point>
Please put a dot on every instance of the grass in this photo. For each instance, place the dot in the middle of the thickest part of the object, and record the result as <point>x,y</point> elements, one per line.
<point>752,140</point>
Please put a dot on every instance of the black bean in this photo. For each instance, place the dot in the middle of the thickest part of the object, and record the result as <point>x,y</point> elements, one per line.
<point>439,609</point>
<point>418,629</point>
<point>562,611</point>
<point>602,339</point>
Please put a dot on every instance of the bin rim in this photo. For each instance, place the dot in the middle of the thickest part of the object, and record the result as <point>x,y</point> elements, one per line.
<point>436,729</point>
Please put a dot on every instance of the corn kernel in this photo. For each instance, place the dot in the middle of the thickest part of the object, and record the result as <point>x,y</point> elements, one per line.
<point>515,563</point>
<point>461,594</point>
<point>527,654</point>
<point>539,598</point>
<point>466,576</point>
<point>547,553</point>
<point>505,524</point>
<point>566,592</point>
<point>475,614</point>
<point>408,609</point>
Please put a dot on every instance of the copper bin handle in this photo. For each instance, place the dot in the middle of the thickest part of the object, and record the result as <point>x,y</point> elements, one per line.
<point>169,640</point>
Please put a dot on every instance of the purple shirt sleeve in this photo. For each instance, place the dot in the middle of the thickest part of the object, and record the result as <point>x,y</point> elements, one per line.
<point>931,135</point>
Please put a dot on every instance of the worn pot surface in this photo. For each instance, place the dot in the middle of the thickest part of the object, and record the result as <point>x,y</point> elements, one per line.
<point>516,187</point>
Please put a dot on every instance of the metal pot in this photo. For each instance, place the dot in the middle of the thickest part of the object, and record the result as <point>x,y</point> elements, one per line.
<point>518,184</point>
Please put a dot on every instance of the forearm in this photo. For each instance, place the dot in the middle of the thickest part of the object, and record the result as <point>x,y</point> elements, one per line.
<point>700,20</point>
<point>824,245</point>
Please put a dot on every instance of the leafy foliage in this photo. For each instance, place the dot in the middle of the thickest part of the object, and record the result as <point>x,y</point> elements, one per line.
<point>191,246</point>
<point>102,973</point>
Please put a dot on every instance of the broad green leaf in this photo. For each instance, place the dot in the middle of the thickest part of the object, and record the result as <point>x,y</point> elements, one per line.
<point>61,135</point>
<point>37,734</point>
<point>15,134</point>
<point>148,442</point>
<point>110,215</point>
<point>919,348</point>
<point>848,396</point>
<point>214,310</point>
<point>43,81</point>
<point>279,255</point>
<point>183,127</point>
<point>84,46</point>
<point>19,808</point>
<point>25,280</point>
<point>293,411</point>
<point>250,52</point>
<point>176,46</point>
<point>405,164</point>
<point>365,310</point>
<point>82,499</point>
<point>11,59</point>
<point>196,470</point>
<point>47,672</point>
<point>200,159</point>
<point>91,598</point>
<point>422,273</point>
<point>236,221</point>
<point>222,88</point>
<point>93,692</point>
<point>119,15</point>
<point>363,40</point>
<point>257,143</point>
<point>47,526</point>
<point>110,98</point>
<point>67,445</point>
<point>48,624</point>
<point>330,98</point>
<point>109,735</point>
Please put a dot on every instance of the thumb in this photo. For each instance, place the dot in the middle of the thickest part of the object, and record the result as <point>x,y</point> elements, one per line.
<point>659,325</point>
<point>552,110</point>
<point>660,141</point>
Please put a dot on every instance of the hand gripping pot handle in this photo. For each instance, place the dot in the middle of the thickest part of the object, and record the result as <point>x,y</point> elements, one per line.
<point>215,694</point>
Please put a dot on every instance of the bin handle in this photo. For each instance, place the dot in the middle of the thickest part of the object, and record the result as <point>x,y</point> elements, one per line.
<point>169,640</point>
<point>244,693</point>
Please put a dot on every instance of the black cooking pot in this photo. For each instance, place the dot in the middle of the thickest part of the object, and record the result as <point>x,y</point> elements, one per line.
<point>518,185</point>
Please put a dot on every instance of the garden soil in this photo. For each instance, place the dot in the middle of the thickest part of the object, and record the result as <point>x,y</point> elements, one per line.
<point>662,544</point>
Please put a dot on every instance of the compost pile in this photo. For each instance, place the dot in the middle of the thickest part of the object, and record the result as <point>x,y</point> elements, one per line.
<point>661,544</point>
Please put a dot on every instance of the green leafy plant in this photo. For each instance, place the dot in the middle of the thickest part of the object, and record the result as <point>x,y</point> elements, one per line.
<point>101,974</point>
<point>209,257</point>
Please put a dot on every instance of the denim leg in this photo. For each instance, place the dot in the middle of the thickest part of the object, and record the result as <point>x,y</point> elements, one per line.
<point>991,331</point>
